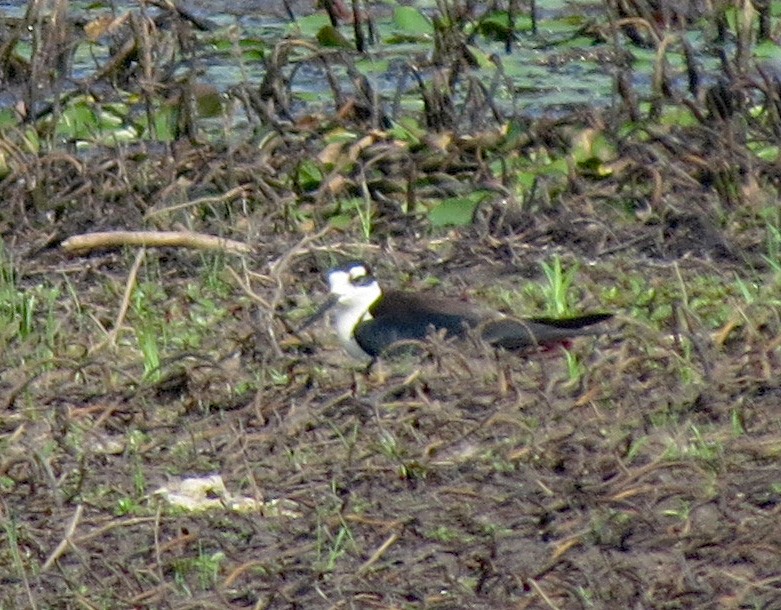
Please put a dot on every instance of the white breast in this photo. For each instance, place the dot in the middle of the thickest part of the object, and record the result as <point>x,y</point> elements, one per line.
<point>351,310</point>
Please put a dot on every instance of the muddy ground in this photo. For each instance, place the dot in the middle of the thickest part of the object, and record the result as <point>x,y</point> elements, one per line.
<point>645,475</point>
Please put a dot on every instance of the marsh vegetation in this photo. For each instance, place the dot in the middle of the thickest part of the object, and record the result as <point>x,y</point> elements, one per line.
<point>167,438</point>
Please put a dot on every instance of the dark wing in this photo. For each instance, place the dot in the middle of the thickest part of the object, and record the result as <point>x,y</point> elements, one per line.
<point>404,316</point>
<point>515,334</point>
<point>422,304</point>
<point>376,336</point>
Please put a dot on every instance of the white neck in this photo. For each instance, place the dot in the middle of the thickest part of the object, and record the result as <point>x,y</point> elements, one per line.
<point>352,309</point>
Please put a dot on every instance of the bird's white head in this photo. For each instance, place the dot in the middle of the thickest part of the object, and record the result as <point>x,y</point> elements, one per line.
<point>353,291</point>
<point>353,288</point>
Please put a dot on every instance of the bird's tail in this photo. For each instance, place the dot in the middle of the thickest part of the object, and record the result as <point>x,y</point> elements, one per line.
<point>574,322</point>
<point>516,334</point>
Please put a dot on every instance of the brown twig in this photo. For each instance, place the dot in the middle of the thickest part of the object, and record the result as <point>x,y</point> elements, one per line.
<point>390,541</point>
<point>239,191</point>
<point>178,239</point>
<point>124,306</point>
<point>66,540</point>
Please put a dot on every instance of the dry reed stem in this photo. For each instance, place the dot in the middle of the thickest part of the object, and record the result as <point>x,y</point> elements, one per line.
<point>178,239</point>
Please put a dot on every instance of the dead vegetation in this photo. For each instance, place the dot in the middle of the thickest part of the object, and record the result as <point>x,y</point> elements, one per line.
<point>643,473</point>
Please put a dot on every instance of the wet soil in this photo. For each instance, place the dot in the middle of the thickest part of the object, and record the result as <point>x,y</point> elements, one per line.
<point>647,478</point>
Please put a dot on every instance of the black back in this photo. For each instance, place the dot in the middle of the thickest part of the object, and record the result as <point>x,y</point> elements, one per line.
<point>405,316</point>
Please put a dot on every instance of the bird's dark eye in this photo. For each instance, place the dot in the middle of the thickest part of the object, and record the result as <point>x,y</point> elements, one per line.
<point>362,280</point>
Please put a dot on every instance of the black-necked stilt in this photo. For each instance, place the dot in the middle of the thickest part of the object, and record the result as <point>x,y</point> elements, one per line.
<point>368,321</point>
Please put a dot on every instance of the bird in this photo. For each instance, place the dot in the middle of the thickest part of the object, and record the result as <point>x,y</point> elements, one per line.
<point>369,321</point>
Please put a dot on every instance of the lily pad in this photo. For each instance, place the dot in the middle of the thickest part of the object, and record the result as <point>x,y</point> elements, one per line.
<point>411,21</point>
<point>456,211</point>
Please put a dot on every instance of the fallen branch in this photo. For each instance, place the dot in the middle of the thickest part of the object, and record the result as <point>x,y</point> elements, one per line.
<point>178,239</point>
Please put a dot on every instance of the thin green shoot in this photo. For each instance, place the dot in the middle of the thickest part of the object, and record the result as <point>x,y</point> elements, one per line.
<point>575,368</point>
<point>331,548</point>
<point>559,284</point>
<point>135,442</point>
<point>150,350</point>
<point>17,306</point>
<point>736,421</point>
<point>11,532</point>
<point>363,208</point>
<point>207,567</point>
<point>149,330</point>
<point>749,292</point>
<point>773,257</point>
